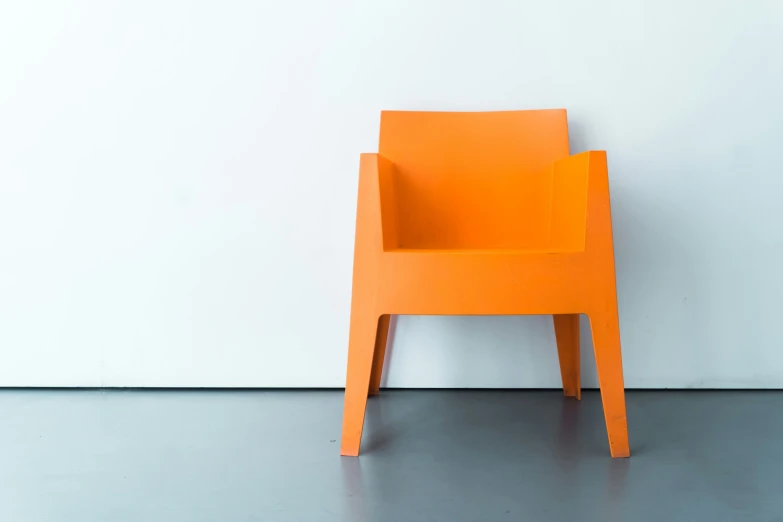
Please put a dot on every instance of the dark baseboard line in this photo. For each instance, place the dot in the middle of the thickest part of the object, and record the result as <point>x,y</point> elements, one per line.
<point>341,389</point>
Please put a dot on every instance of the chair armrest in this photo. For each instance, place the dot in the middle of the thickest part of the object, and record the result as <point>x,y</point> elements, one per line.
<point>579,201</point>
<point>377,205</point>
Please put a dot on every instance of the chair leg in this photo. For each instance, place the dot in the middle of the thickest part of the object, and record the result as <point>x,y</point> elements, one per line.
<point>380,352</point>
<point>567,335</point>
<point>608,359</point>
<point>361,346</point>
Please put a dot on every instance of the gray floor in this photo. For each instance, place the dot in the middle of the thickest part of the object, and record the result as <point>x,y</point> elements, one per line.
<point>227,456</point>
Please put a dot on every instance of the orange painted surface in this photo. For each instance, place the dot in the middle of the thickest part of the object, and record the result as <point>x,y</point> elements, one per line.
<point>483,214</point>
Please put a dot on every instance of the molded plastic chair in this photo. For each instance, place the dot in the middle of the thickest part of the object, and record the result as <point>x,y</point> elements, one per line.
<point>483,214</point>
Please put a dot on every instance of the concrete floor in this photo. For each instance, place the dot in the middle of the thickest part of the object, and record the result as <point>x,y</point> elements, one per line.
<point>234,456</point>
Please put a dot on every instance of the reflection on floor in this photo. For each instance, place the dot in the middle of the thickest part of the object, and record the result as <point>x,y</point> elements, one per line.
<point>428,455</point>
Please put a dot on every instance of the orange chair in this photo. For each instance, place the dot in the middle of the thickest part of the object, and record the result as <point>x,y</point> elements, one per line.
<point>483,214</point>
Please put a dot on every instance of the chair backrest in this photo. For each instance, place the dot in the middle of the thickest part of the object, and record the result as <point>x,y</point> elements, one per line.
<point>473,180</point>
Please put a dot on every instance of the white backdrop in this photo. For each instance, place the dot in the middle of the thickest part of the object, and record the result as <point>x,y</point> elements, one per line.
<point>178,183</point>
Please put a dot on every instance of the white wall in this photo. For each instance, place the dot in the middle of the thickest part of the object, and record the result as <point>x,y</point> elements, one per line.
<point>178,183</point>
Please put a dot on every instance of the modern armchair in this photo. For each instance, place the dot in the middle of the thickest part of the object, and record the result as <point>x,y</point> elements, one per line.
<point>484,214</point>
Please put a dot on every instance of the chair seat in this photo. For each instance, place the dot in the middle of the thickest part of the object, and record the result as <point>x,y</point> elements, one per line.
<point>482,251</point>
